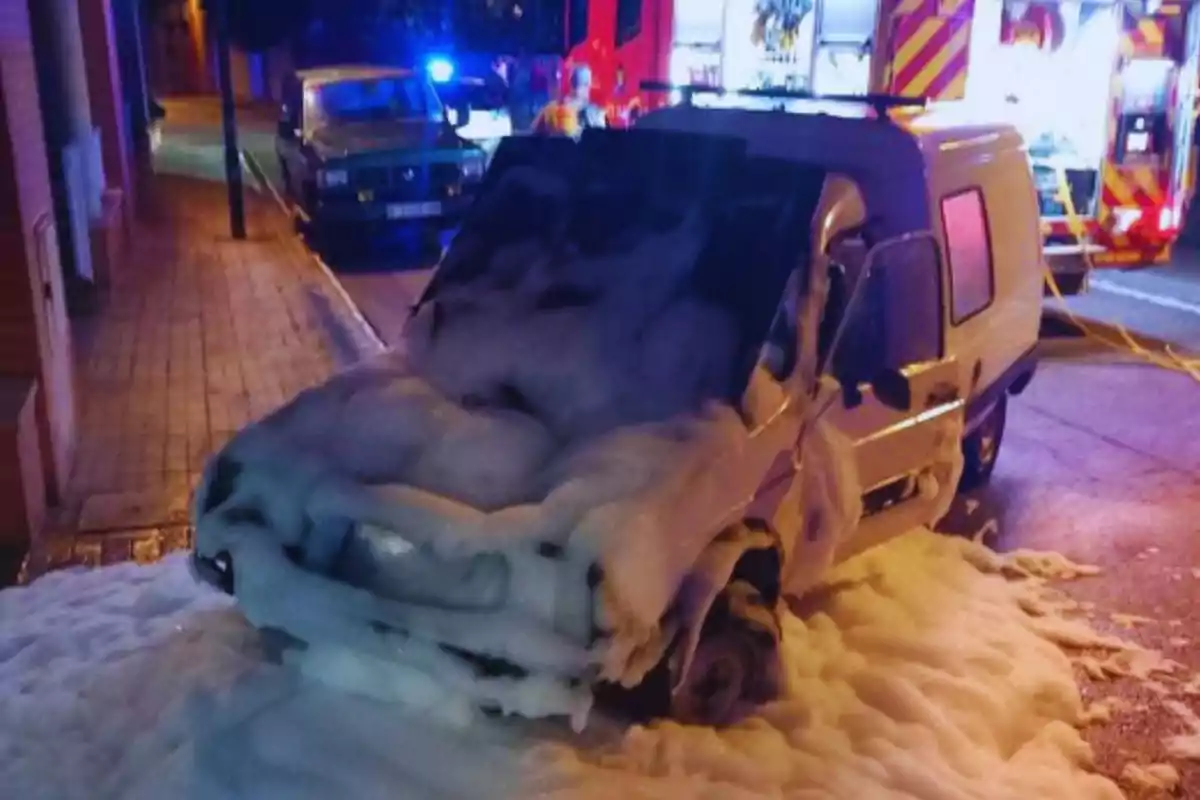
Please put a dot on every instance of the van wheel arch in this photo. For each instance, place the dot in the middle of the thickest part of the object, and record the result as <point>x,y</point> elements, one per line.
<point>981,448</point>
<point>736,660</point>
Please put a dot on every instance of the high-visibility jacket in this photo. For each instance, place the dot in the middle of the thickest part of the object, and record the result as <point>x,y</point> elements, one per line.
<point>564,119</point>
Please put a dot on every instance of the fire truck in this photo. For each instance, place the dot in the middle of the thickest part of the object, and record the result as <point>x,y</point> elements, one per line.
<point>1104,91</point>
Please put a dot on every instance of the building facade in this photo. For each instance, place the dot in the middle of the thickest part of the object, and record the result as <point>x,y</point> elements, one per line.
<point>72,139</point>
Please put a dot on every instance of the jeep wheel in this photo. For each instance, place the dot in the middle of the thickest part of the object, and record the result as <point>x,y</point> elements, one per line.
<point>982,447</point>
<point>736,666</point>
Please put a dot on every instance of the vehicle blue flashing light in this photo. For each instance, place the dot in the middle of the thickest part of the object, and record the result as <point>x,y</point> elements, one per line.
<point>440,69</point>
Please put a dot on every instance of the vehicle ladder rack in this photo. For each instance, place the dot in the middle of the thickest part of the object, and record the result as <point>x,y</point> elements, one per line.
<point>880,103</point>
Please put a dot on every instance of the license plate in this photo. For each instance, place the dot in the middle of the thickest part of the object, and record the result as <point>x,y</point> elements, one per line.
<point>414,210</point>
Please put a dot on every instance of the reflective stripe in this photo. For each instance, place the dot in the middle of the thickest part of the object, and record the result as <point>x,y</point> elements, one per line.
<point>930,49</point>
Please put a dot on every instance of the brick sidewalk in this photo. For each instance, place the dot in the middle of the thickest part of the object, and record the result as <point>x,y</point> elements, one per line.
<point>199,335</point>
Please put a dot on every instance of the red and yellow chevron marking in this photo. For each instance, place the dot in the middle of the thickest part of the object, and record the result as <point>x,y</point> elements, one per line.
<point>1132,259</point>
<point>930,44</point>
<point>1130,187</point>
<point>1145,38</point>
<point>1062,229</point>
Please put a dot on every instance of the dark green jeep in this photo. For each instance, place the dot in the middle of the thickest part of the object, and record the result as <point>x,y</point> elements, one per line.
<point>361,148</point>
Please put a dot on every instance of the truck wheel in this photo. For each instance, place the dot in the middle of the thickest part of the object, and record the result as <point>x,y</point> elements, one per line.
<point>982,447</point>
<point>736,666</point>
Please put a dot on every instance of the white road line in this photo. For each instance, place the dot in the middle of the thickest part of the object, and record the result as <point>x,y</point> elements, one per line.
<point>1145,297</point>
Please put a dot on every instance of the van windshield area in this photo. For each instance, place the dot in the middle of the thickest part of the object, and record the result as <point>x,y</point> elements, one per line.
<point>367,100</point>
<point>629,277</point>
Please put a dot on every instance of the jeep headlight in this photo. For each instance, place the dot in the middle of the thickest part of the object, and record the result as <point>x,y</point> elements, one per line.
<point>473,168</point>
<point>332,178</point>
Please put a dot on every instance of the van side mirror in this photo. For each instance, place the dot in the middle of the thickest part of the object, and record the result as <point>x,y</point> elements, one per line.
<point>875,346</point>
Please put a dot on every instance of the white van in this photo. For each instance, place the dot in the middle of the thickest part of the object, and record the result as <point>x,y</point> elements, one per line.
<point>661,380</point>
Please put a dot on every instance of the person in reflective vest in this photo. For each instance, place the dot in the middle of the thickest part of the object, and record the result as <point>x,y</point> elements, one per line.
<point>574,113</point>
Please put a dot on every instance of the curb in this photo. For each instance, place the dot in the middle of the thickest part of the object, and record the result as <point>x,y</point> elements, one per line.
<point>260,175</point>
<point>1068,324</point>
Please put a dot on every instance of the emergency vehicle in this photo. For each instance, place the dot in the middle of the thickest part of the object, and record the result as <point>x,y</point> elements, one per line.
<point>1103,91</point>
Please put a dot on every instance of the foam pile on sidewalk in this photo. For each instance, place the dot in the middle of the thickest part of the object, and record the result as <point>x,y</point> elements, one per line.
<point>926,669</point>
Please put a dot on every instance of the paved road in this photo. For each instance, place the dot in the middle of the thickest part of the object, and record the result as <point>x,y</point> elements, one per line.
<point>1102,463</point>
<point>1161,303</point>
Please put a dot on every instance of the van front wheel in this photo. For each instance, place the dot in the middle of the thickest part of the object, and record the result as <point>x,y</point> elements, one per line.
<point>981,447</point>
<point>736,664</point>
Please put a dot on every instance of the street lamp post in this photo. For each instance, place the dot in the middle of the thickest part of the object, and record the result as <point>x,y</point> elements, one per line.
<point>233,162</point>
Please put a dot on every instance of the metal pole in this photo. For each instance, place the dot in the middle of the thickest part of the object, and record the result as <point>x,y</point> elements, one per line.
<point>136,61</point>
<point>233,162</point>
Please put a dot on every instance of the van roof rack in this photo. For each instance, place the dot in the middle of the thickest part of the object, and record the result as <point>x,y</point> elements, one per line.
<point>880,103</point>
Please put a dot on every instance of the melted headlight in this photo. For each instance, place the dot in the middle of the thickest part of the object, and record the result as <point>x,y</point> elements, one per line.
<point>389,566</point>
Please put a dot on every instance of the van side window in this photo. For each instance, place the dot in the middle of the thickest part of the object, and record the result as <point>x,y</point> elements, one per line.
<point>969,251</point>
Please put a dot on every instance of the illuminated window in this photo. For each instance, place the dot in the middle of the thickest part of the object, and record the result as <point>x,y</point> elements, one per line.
<point>969,250</point>
<point>1146,86</point>
<point>848,21</point>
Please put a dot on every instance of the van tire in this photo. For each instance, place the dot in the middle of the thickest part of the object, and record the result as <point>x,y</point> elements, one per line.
<point>981,448</point>
<point>737,664</point>
<point>738,648</point>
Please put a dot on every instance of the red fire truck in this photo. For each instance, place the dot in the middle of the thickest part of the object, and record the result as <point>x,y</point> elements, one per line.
<point>1103,90</point>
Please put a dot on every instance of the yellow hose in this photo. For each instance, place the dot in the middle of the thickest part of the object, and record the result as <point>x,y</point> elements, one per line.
<point>1167,359</point>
